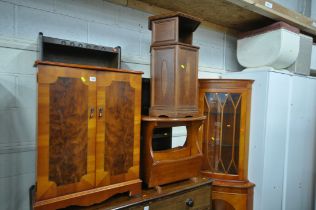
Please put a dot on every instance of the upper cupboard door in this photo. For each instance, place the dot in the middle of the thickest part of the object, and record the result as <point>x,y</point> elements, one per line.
<point>187,78</point>
<point>223,131</point>
<point>226,105</point>
<point>118,127</point>
<point>66,131</point>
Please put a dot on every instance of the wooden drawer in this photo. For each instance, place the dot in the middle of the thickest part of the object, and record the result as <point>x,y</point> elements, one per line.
<point>199,198</point>
<point>170,197</point>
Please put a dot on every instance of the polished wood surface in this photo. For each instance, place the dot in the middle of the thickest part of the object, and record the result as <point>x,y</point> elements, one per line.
<point>166,166</point>
<point>118,127</point>
<point>162,137</point>
<point>68,130</point>
<point>174,66</point>
<point>171,119</point>
<point>87,67</point>
<point>172,28</point>
<point>225,141</point>
<point>226,126</point>
<point>231,195</point>
<point>59,172</point>
<point>174,87</point>
<point>88,134</point>
<point>171,196</point>
<point>89,197</point>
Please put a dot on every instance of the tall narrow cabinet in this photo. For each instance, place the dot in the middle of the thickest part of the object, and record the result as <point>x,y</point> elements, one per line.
<point>174,66</point>
<point>88,134</point>
<point>225,141</point>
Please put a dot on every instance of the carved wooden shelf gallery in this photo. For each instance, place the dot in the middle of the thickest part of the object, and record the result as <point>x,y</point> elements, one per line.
<point>88,134</point>
<point>225,141</point>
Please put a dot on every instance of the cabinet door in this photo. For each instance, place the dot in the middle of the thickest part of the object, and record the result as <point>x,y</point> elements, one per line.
<point>225,142</point>
<point>187,78</point>
<point>66,131</point>
<point>118,127</point>
<point>162,72</point>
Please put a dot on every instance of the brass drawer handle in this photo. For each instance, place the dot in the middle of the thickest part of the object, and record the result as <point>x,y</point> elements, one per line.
<point>189,202</point>
<point>91,112</point>
<point>100,112</point>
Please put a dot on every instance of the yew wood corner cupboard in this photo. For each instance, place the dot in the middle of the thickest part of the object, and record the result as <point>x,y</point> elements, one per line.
<point>225,141</point>
<point>88,134</point>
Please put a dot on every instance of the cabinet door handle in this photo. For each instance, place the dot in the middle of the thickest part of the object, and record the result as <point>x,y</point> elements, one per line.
<point>189,202</point>
<point>91,112</point>
<point>100,112</point>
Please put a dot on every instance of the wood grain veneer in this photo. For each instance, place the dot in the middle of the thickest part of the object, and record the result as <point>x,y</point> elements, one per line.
<point>167,166</point>
<point>68,127</point>
<point>88,134</point>
<point>225,141</point>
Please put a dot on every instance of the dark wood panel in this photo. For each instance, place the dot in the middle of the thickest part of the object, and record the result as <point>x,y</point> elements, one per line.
<point>199,198</point>
<point>68,130</point>
<point>174,66</point>
<point>187,74</point>
<point>67,51</point>
<point>174,86</point>
<point>172,196</point>
<point>162,137</point>
<point>119,127</point>
<point>162,77</point>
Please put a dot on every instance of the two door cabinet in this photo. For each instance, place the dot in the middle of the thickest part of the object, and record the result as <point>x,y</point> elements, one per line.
<point>88,134</point>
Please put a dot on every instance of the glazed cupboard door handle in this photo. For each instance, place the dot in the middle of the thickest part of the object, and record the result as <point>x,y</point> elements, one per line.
<point>189,202</point>
<point>100,112</point>
<point>92,112</point>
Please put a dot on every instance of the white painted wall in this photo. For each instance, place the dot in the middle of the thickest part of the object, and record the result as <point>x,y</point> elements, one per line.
<point>282,139</point>
<point>313,9</point>
<point>301,6</point>
<point>93,21</point>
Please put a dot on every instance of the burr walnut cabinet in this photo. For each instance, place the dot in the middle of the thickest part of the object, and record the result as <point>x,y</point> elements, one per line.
<point>225,141</point>
<point>174,66</point>
<point>88,134</point>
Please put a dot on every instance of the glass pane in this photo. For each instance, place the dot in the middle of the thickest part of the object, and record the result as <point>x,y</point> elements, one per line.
<point>169,138</point>
<point>222,132</point>
<point>179,136</point>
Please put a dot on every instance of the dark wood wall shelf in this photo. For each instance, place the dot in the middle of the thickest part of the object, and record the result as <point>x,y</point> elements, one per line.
<point>231,16</point>
<point>72,52</point>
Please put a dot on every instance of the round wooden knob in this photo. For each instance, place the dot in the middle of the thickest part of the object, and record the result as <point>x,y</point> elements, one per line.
<point>189,202</point>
